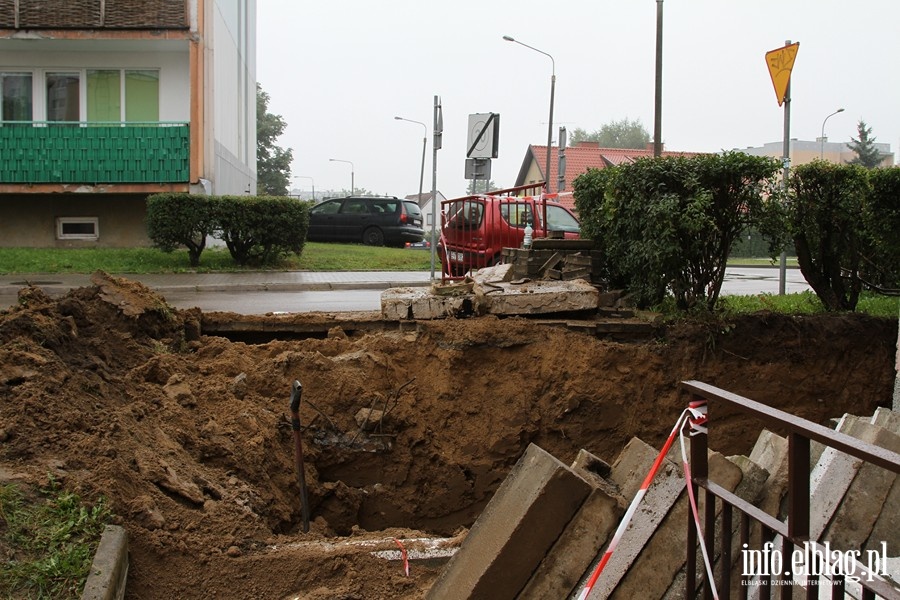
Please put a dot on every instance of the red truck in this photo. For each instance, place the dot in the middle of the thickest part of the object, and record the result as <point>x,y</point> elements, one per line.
<point>475,229</point>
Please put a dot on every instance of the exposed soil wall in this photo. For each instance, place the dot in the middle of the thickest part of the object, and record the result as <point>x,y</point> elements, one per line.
<point>116,393</point>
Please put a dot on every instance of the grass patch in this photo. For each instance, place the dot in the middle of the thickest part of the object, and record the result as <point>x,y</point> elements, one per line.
<point>315,257</point>
<point>49,541</point>
<point>807,303</point>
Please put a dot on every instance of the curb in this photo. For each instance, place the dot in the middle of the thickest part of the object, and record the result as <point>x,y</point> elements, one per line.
<point>109,571</point>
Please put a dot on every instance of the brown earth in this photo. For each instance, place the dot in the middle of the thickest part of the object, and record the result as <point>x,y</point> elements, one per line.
<point>115,393</point>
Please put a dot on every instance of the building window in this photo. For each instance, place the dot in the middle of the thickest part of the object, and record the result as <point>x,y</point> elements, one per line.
<point>16,90</point>
<point>111,91</point>
<point>77,228</point>
<point>104,96</point>
<point>141,96</point>
<point>63,97</point>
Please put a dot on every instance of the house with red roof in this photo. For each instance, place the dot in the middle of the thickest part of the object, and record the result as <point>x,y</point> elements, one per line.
<point>578,159</point>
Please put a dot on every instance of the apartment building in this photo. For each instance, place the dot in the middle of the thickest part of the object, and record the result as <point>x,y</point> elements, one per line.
<point>105,102</point>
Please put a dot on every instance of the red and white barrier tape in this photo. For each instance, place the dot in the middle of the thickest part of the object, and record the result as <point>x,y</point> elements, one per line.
<point>403,557</point>
<point>695,415</point>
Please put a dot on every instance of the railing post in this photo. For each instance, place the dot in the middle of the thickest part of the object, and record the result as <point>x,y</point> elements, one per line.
<point>798,500</point>
<point>699,472</point>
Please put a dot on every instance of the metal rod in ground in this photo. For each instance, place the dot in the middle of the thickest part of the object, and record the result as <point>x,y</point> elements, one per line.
<point>296,394</point>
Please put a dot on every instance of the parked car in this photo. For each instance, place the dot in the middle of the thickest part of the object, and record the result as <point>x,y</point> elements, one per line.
<point>475,229</point>
<point>375,221</point>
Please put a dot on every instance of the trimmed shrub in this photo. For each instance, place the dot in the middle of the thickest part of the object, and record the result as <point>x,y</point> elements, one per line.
<point>175,220</point>
<point>260,230</point>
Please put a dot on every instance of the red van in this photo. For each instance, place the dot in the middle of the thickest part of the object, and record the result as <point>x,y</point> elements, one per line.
<point>475,229</point>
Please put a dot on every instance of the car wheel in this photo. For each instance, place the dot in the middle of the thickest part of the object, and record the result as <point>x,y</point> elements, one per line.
<point>373,237</point>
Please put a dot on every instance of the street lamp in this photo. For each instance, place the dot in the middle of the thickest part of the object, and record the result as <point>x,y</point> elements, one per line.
<point>313,183</point>
<point>822,153</point>
<point>424,143</point>
<point>550,123</point>
<point>352,183</point>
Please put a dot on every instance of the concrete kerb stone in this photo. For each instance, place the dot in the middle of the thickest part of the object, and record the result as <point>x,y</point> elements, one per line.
<point>663,556</point>
<point>109,571</point>
<point>865,500</point>
<point>517,528</point>
<point>589,530</point>
<point>628,472</point>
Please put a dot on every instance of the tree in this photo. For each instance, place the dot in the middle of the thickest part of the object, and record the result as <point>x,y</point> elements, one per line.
<point>618,134</point>
<point>273,164</point>
<point>867,155</point>
<point>481,185</point>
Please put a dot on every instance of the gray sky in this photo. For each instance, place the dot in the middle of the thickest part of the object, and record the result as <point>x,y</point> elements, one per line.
<point>338,71</point>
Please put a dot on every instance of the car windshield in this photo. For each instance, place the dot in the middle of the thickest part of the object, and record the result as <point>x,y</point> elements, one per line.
<point>559,219</point>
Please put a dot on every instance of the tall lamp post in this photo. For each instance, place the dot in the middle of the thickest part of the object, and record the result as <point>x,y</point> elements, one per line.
<point>313,183</point>
<point>550,123</point>
<point>424,144</point>
<point>352,183</point>
<point>822,153</point>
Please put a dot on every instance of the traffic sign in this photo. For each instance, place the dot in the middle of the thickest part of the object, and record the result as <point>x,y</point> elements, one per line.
<point>780,63</point>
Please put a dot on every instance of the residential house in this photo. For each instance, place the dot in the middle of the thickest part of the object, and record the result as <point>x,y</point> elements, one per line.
<point>578,159</point>
<point>105,102</point>
<point>427,205</point>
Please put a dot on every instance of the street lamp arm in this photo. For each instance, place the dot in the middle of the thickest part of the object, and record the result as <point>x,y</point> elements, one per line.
<point>550,56</point>
<point>822,139</point>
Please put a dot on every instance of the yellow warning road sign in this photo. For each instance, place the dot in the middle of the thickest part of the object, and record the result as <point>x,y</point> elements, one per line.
<point>780,63</point>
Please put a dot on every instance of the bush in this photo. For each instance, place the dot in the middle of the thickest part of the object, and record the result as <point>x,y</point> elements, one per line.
<point>881,267</point>
<point>175,220</point>
<point>824,217</point>
<point>668,224</point>
<point>260,230</point>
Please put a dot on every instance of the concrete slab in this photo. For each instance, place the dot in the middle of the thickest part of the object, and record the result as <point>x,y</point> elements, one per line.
<point>770,453</point>
<point>833,475</point>
<point>518,527</point>
<point>663,557</point>
<point>109,571</point>
<point>864,500</point>
<point>628,472</point>
<point>541,297</point>
<point>573,553</point>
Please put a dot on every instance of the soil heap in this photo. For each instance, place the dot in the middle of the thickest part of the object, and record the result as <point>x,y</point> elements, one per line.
<point>113,392</point>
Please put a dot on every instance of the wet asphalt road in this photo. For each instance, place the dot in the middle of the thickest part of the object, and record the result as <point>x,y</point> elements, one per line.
<point>738,281</point>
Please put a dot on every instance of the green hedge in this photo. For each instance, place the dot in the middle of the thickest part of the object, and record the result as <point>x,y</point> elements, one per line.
<point>257,230</point>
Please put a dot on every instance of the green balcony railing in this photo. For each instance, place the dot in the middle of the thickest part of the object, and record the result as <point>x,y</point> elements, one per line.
<point>94,152</point>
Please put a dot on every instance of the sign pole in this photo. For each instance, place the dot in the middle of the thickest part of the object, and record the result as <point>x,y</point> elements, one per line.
<point>786,161</point>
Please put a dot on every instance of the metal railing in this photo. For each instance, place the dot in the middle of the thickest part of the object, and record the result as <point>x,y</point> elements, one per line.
<point>757,525</point>
<point>475,229</point>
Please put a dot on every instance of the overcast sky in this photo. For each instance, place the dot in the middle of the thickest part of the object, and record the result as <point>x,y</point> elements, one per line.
<point>338,71</point>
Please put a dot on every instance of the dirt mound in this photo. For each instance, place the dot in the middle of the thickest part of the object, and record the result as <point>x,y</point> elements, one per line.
<point>115,393</point>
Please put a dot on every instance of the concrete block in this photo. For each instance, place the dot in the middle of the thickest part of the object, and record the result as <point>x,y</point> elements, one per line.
<point>398,304</point>
<point>628,472</point>
<point>663,557</point>
<point>109,571</point>
<point>518,527</point>
<point>541,297</point>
